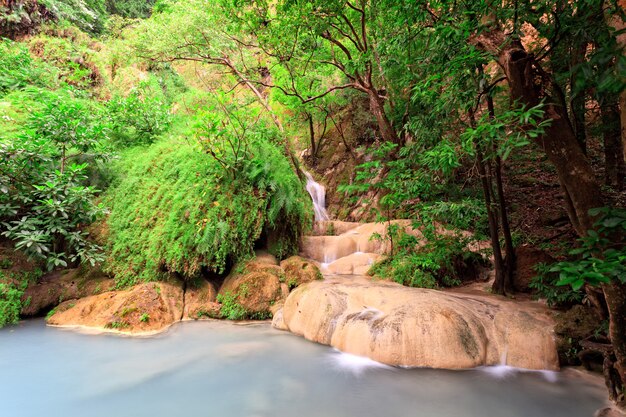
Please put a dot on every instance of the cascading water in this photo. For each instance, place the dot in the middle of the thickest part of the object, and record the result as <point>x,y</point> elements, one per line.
<point>318,195</point>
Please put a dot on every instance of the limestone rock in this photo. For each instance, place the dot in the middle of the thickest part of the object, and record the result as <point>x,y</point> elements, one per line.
<point>356,264</point>
<point>277,320</point>
<point>299,271</point>
<point>418,327</point>
<point>327,248</point>
<point>147,307</point>
<point>53,289</point>
<point>200,300</point>
<point>333,227</point>
<point>256,288</point>
<point>264,257</point>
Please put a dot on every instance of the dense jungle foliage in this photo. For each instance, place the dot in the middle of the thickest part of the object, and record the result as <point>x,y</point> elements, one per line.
<point>167,138</point>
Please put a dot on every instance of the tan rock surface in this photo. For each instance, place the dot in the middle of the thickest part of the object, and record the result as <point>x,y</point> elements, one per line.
<point>356,264</point>
<point>200,302</point>
<point>256,287</point>
<point>147,307</point>
<point>299,271</point>
<point>41,297</point>
<point>332,227</point>
<point>327,248</point>
<point>418,327</point>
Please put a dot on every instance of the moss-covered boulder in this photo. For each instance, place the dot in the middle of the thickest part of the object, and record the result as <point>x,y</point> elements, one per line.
<point>41,297</point>
<point>251,290</point>
<point>298,271</point>
<point>144,308</point>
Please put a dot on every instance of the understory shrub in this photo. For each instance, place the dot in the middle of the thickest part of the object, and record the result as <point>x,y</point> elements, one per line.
<point>10,304</point>
<point>545,284</point>
<point>231,309</point>
<point>46,201</point>
<point>443,261</point>
<point>139,117</point>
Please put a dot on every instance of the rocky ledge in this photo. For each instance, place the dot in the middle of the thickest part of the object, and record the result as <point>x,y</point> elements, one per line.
<point>415,327</point>
<point>255,289</point>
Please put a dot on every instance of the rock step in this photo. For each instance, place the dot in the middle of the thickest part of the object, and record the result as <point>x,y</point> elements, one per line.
<point>333,227</point>
<point>353,248</point>
<point>357,263</point>
<point>416,327</point>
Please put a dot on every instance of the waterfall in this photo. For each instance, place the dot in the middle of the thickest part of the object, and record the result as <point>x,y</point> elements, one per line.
<point>318,195</point>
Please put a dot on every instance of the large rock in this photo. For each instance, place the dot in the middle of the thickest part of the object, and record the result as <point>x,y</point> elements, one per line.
<point>299,271</point>
<point>327,249</point>
<point>145,308</point>
<point>200,296</point>
<point>255,286</point>
<point>366,237</point>
<point>53,289</point>
<point>420,328</point>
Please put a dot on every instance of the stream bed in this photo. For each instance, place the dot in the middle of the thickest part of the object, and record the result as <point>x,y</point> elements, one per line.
<point>220,369</point>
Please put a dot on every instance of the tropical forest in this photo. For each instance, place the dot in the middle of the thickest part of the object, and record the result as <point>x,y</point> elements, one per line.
<point>337,208</point>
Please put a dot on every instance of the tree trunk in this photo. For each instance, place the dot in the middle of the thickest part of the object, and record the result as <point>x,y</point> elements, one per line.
<point>509,249</point>
<point>613,152</point>
<point>312,137</point>
<point>499,282</point>
<point>615,294</point>
<point>622,105</point>
<point>377,107</point>
<point>578,100</point>
<point>527,84</point>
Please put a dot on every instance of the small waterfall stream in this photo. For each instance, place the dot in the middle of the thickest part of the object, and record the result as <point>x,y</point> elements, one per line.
<point>337,243</point>
<point>318,195</point>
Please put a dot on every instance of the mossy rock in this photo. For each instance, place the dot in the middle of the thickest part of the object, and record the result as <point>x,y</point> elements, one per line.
<point>255,287</point>
<point>299,271</point>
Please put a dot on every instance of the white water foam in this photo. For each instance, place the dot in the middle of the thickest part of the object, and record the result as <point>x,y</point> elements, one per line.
<point>354,363</point>
<point>505,371</point>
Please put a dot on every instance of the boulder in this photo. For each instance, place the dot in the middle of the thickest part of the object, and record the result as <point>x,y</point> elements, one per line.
<point>264,257</point>
<point>299,271</point>
<point>53,289</point>
<point>255,287</point>
<point>200,296</point>
<point>144,308</point>
<point>526,258</point>
<point>416,327</point>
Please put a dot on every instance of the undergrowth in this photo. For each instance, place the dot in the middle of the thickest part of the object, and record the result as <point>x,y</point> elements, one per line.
<point>442,261</point>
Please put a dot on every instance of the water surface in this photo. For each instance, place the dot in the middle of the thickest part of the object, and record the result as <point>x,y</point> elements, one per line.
<point>218,369</point>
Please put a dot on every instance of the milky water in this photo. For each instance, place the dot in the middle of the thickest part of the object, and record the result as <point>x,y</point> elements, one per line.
<point>206,369</point>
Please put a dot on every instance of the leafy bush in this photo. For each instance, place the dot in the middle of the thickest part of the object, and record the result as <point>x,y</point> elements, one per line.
<point>10,304</point>
<point>72,54</point>
<point>601,255</point>
<point>176,210</point>
<point>139,118</point>
<point>89,15</point>
<point>443,261</point>
<point>45,202</point>
<point>545,286</point>
<point>231,309</point>
<point>18,69</point>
